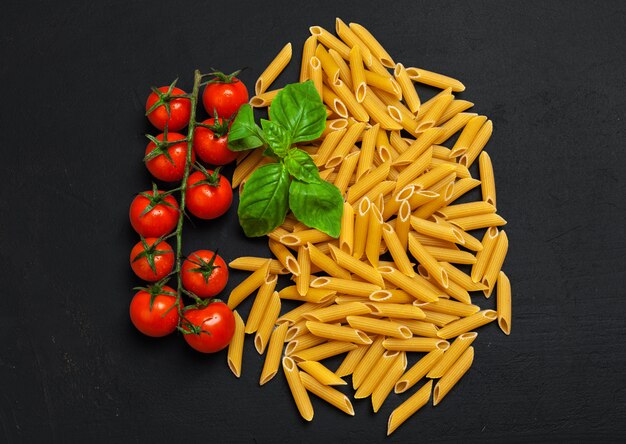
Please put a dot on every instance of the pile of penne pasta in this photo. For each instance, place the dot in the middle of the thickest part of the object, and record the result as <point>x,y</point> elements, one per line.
<point>384,149</point>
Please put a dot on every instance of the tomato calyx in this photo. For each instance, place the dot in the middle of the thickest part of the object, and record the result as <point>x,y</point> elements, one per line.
<point>161,147</point>
<point>150,251</point>
<point>211,179</point>
<point>156,289</point>
<point>164,98</point>
<point>157,197</point>
<point>219,129</point>
<point>204,268</point>
<point>220,77</point>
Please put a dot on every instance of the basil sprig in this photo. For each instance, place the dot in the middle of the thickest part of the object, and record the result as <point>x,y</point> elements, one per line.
<point>297,114</point>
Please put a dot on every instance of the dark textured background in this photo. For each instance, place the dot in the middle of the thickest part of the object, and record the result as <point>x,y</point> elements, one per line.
<point>75,79</point>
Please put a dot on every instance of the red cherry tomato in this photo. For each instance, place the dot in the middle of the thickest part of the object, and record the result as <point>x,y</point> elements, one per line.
<point>158,163</point>
<point>204,273</point>
<point>152,262</point>
<point>211,327</point>
<point>212,145</point>
<point>161,217</point>
<point>205,200</point>
<point>159,317</point>
<point>180,109</point>
<point>225,95</point>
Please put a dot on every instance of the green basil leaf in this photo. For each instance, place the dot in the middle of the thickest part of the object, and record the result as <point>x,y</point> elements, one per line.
<point>317,205</point>
<point>264,201</point>
<point>301,166</point>
<point>244,134</point>
<point>277,137</point>
<point>299,109</point>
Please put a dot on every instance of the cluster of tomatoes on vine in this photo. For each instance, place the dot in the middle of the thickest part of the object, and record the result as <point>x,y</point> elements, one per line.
<point>158,310</point>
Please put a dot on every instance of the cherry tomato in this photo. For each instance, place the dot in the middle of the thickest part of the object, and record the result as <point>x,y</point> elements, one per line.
<point>180,108</point>
<point>208,195</point>
<point>211,327</point>
<point>158,163</point>
<point>224,95</point>
<point>204,273</point>
<point>212,144</point>
<point>151,261</point>
<point>153,311</point>
<point>161,216</point>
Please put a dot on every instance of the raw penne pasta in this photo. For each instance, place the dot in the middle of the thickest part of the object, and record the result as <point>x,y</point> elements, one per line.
<point>273,70</point>
<point>452,376</point>
<point>337,312</point>
<point>437,231</point>
<point>417,148</point>
<point>408,408</point>
<point>328,394</point>
<point>434,79</point>
<point>359,86</point>
<point>425,258</point>
<point>308,51</point>
<point>463,325</point>
<point>429,118</point>
<point>351,39</point>
<point>297,389</point>
<point>382,390</point>
<point>398,253</point>
<point>409,94</point>
<point>415,344</point>
<point>300,238</point>
<point>295,315</point>
<point>266,325</point>
<point>349,287</point>
<point>334,103</point>
<point>249,263</point>
<point>303,342</point>
<point>352,359</point>
<point>374,235</point>
<point>284,256</point>
<point>453,256</point>
<point>379,327</point>
<point>467,136</point>
<point>482,257</point>
<point>330,41</point>
<point>334,125</point>
<point>495,263</point>
<point>403,224</point>
<point>462,279</point>
<point>315,74</point>
<point>274,352</point>
<point>477,145</point>
<point>345,144</point>
<point>451,355</point>
<point>326,264</point>
<point>436,318</point>
<point>338,333</point>
<point>479,221</point>
<point>383,188</point>
<point>454,109</point>
<point>245,288</point>
<point>460,171</point>
<point>383,82</point>
<point>411,286</point>
<point>466,210</point>
<point>392,296</point>
<point>264,99</point>
<point>277,233</point>
<point>433,176</point>
<point>304,262</point>
<point>324,351</point>
<point>235,348</point>
<point>321,373</point>
<point>259,307</point>
<point>361,223</point>
<point>355,108</point>
<point>244,168</point>
<point>419,370</point>
<point>503,303</point>
<point>366,158</point>
<point>367,362</point>
<point>374,46</point>
<point>346,170</point>
<point>295,330</point>
<point>412,171</point>
<point>391,310</point>
<point>378,372</point>
<point>488,183</point>
<point>329,66</point>
<point>377,110</point>
<point>344,69</point>
<point>313,295</point>
<point>347,262</point>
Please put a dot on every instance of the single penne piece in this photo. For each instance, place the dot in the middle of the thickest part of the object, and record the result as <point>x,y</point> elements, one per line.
<point>454,290</point>
<point>328,394</point>
<point>382,390</point>
<point>430,118</point>
<point>419,370</point>
<point>374,235</point>
<point>488,183</point>
<point>391,310</point>
<point>495,263</point>
<point>360,227</point>
<point>261,301</point>
<point>383,188</point>
<point>379,327</point>
<point>308,51</point>
<point>351,39</point>
<point>366,158</point>
<point>285,257</point>
<point>329,66</point>
<point>461,278</point>
<point>415,344</point>
<point>413,171</point>
<point>408,408</point>
<point>374,46</point>
<point>316,75</point>
<point>479,221</point>
<point>251,283</point>
<point>477,145</point>
<point>398,253</point>
<point>235,348</point>
<point>454,109</point>
<point>419,328</point>
<point>378,372</point>
<point>467,136</point>
<point>425,258</point>
<point>345,144</point>
<point>243,169</point>
<point>344,286</point>
<point>273,70</point>
<point>436,318</point>
<point>249,263</point>
<point>466,209</point>
<point>264,99</point>
<point>276,233</point>
<point>344,69</point>
<point>437,173</point>
<point>367,362</point>
<point>355,108</point>
<point>314,295</point>
<point>304,262</point>
<point>437,231</point>
<point>337,312</point>
<point>295,315</point>
<point>453,353</point>
<point>384,82</point>
<point>359,86</point>
<point>323,351</point>
<point>321,373</point>
<point>417,148</point>
<point>463,325</point>
<point>377,111</point>
<point>326,264</point>
<point>333,125</point>
<point>453,256</point>
<point>352,359</point>
<point>411,286</point>
<point>483,256</point>
<point>274,352</point>
<point>434,79</point>
<point>503,303</point>
<point>403,224</point>
<point>266,325</point>
<point>392,296</point>
<point>300,238</point>
<point>460,171</point>
<point>399,142</point>
<point>409,94</point>
<point>348,262</point>
<point>297,389</point>
<point>334,103</point>
<point>303,342</point>
<point>330,41</point>
<point>346,170</point>
<point>338,333</point>
<point>452,376</point>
